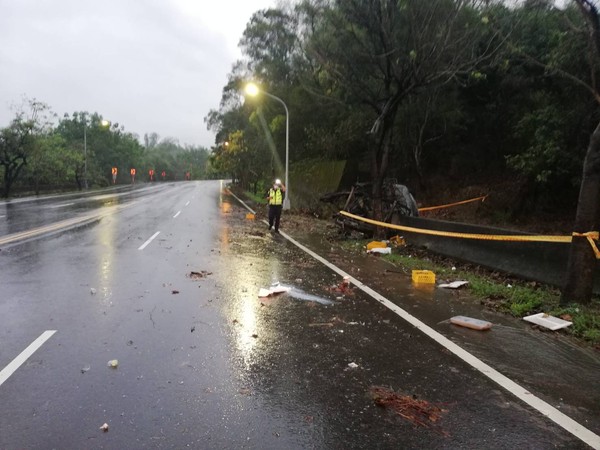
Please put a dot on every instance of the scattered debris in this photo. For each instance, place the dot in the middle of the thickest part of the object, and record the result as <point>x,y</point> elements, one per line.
<point>469,322</point>
<point>104,427</point>
<point>454,284</point>
<point>250,216</point>
<point>423,277</point>
<point>255,335</point>
<point>275,289</point>
<point>548,321</point>
<point>352,365</point>
<point>418,412</point>
<point>113,363</point>
<point>376,244</point>
<point>381,251</point>
<point>342,287</point>
<point>398,241</point>
<point>93,291</point>
<point>174,291</point>
<point>262,292</point>
<point>85,368</point>
<point>193,329</point>
<point>194,275</point>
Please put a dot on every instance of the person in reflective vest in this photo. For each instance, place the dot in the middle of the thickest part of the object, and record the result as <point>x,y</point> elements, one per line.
<point>275,198</point>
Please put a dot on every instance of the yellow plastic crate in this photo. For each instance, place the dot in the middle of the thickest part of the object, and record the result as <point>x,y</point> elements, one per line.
<point>423,276</point>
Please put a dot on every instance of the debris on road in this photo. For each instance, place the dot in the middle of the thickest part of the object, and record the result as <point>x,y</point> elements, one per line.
<point>93,291</point>
<point>104,427</point>
<point>113,363</point>
<point>453,284</point>
<point>275,289</point>
<point>194,275</point>
<point>469,322</point>
<point>85,368</point>
<point>245,391</point>
<point>548,321</point>
<point>418,412</point>
<point>352,365</point>
<point>342,287</point>
<point>193,328</point>
<point>174,291</point>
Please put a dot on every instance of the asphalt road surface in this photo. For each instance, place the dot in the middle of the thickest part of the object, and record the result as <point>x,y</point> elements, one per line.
<point>165,279</point>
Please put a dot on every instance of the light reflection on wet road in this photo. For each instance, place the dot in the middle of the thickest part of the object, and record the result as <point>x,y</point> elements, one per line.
<point>204,362</point>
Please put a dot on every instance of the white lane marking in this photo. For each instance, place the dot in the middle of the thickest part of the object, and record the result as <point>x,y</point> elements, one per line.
<point>175,216</point>
<point>25,354</point>
<point>561,419</point>
<point>62,205</point>
<point>145,244</point>
<point>188,202</point>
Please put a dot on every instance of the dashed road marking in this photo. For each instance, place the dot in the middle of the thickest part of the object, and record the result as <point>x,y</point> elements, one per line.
<point>175,216</point>
<point>25,354</point>
<point>145,244</point>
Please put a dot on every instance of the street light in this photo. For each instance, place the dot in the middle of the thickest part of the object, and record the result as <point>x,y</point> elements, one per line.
<point>253,90</point>
<point>85,183</point>
<point>103,123</point>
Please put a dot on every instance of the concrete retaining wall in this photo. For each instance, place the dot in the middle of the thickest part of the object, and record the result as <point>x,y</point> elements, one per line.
<point>545,262</point>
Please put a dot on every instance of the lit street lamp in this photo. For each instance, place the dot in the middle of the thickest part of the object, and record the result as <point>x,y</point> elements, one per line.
<point>104,123</point>
<point>253,90</point>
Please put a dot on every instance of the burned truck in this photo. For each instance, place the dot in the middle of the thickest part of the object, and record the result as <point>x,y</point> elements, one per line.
<point>397,201</point>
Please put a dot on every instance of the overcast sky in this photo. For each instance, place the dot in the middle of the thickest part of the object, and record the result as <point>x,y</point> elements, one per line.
<point>150,65</point>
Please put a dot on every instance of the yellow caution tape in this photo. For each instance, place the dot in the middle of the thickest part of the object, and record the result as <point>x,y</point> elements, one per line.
<point>431,208</point>
<point>591,236</point>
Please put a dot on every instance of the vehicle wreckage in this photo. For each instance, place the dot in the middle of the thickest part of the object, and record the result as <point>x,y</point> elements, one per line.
<point>396,200</point>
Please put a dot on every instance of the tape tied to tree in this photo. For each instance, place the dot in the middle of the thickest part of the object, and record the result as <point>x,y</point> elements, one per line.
<point>591,236</point>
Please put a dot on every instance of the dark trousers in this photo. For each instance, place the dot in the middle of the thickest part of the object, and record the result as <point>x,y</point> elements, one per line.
<point>274,216</point>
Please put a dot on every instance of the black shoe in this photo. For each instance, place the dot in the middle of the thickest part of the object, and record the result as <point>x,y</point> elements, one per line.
<point>270,227</point>
<point>277,231</point>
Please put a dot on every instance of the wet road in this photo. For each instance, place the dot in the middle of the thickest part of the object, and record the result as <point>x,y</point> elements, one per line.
<point>205,363</point>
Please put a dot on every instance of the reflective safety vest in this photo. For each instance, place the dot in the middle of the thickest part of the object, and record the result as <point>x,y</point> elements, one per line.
<point>276,197</point>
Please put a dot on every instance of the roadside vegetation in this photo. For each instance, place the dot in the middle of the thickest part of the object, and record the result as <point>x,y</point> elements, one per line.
<point>42,153</point>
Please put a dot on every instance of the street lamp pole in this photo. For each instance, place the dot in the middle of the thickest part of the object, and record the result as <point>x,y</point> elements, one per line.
<point>252,89</point>
<point>85,183</point>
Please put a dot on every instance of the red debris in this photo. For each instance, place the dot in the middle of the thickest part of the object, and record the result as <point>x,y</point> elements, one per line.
<point>419,412</point>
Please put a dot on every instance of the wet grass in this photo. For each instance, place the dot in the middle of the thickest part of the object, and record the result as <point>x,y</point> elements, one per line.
<point>500,292</point>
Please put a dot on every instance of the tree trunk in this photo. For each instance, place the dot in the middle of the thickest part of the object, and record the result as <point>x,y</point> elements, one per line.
<point>582,260</point>
<point>379,166</point>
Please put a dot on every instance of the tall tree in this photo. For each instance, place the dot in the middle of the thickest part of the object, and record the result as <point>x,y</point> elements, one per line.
<point>382,51</point>
<point>17,140</point>
<point>582,261</point>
